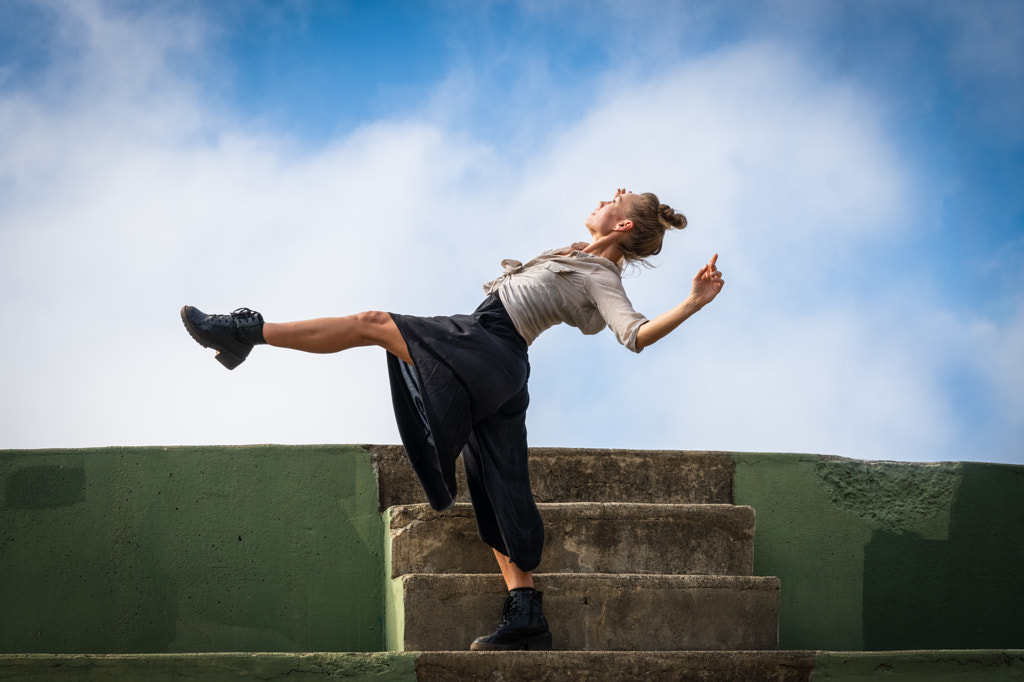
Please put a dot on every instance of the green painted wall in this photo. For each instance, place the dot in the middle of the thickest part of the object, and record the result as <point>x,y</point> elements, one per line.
<point>883,556</point>
<point>281,548</point>
<point>121,550</point>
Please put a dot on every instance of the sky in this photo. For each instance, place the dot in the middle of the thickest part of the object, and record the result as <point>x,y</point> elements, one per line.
<point>857,165</point>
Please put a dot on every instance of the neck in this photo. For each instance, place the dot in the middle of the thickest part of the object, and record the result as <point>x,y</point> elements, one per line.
<point>606,247</point>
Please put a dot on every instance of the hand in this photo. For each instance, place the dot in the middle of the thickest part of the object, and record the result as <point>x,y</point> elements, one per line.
<point>707,283</point>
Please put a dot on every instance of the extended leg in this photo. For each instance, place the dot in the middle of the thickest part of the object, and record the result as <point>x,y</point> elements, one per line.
<point>233,336</point>
<point>334,334</point>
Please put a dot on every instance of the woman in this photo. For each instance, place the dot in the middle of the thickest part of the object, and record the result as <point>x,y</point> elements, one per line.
<point>459,383</point>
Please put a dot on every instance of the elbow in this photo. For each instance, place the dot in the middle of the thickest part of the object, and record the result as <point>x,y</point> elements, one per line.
<point>643,339</point>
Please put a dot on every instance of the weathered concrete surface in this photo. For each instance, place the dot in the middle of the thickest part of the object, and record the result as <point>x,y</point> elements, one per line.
<point>596,612</point>
<point>616,666</point>
<point>524,666</point>
<point>212,667</point>
<point>931,666</point>
<point>586,475</point>
<point>584,537</point>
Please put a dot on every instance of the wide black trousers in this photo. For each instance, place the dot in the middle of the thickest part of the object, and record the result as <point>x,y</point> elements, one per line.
<point>467,392</point>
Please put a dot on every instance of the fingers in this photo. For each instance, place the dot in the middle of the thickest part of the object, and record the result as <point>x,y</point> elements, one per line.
<point>710,268</point>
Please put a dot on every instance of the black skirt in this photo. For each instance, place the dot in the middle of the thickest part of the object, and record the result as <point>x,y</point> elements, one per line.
<point>467,392</point>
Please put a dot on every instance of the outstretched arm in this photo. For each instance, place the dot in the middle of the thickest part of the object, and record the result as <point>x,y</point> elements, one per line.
<point>706,285</point>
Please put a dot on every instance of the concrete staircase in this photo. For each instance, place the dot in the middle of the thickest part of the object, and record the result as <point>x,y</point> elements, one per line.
<point>647,571</point>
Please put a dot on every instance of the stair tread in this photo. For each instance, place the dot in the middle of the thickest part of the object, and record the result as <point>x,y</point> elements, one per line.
<point>592,508</point>
<point>525,666</point>
<point>547,580</point>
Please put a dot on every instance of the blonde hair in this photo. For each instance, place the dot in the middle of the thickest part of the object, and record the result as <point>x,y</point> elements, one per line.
<point>651,219</point>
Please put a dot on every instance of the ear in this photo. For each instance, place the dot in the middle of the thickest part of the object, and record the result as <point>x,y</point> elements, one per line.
<point>624,226</point>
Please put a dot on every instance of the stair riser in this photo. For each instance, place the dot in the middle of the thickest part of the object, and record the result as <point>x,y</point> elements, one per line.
<point>646,539</point>
<point>599,613</point>
<point>586,475</point>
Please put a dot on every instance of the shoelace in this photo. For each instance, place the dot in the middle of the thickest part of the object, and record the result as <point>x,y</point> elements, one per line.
<point>244,313</point>
<point>511,610</point>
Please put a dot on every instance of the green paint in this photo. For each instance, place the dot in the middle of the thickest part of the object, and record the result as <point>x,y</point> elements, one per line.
<point>394,601</point>
<point>44,486</point>
<point>886,555</point>
<point>120,550</point>
<point>395,614</point>
<point>961,592</point>
<point>815,548</point>
<point>933,666</point>
<point>376,667</point>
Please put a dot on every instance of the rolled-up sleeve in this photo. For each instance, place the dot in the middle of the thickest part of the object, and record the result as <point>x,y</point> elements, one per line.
<point>610,299</point>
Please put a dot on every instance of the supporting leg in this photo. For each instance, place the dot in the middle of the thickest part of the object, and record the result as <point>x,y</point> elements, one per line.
<point>523,625</point>
<point>514,578</point>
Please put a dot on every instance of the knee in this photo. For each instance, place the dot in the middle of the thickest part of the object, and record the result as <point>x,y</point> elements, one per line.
<point>378,328</point>
<point>374,318</point>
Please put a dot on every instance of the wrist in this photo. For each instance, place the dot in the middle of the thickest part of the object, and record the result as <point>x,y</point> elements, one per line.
<point>692,303</point>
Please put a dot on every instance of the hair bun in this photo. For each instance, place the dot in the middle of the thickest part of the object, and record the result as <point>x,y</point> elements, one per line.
<point>672,218</point>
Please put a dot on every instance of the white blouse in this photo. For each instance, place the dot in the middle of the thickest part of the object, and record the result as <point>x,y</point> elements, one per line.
<point>563,285</point>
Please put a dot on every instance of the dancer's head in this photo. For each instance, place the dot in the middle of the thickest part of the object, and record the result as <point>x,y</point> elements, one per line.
<point>651,219</point>
<point>639,220</point>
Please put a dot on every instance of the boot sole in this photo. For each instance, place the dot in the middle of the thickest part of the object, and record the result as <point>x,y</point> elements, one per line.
<point>224,357</point>
<point>541,642</point>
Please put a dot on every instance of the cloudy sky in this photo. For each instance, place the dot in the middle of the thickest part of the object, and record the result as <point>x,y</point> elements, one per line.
<point>858,166</point>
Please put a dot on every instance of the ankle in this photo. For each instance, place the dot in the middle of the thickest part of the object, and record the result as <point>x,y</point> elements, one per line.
<point>249,326</point>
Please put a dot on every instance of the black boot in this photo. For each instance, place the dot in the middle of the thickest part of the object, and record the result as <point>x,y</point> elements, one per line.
<point>232,336</point>
<point>523,626</point>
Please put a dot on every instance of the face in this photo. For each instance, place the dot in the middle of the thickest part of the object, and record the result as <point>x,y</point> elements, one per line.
<point>610,216</point>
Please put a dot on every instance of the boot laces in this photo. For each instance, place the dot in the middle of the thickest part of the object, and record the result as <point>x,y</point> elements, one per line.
<point>245,315</point>
<point>239,315</point>
<point>512,608</point>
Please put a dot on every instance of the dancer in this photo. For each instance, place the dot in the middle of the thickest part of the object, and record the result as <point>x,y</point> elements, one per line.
<point>459,383</point>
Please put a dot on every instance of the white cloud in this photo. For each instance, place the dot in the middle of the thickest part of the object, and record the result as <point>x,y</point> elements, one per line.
<point>128,201</point>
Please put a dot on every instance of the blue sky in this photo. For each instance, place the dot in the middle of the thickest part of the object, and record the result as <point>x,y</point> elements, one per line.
<point>857,165</point>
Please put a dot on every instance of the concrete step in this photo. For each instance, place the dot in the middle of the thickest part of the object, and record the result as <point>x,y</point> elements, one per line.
<point>592,612</point>
<point>208,667</point>
<point>584,537</point>
<point>586,475</point>
<point>617,666</point>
